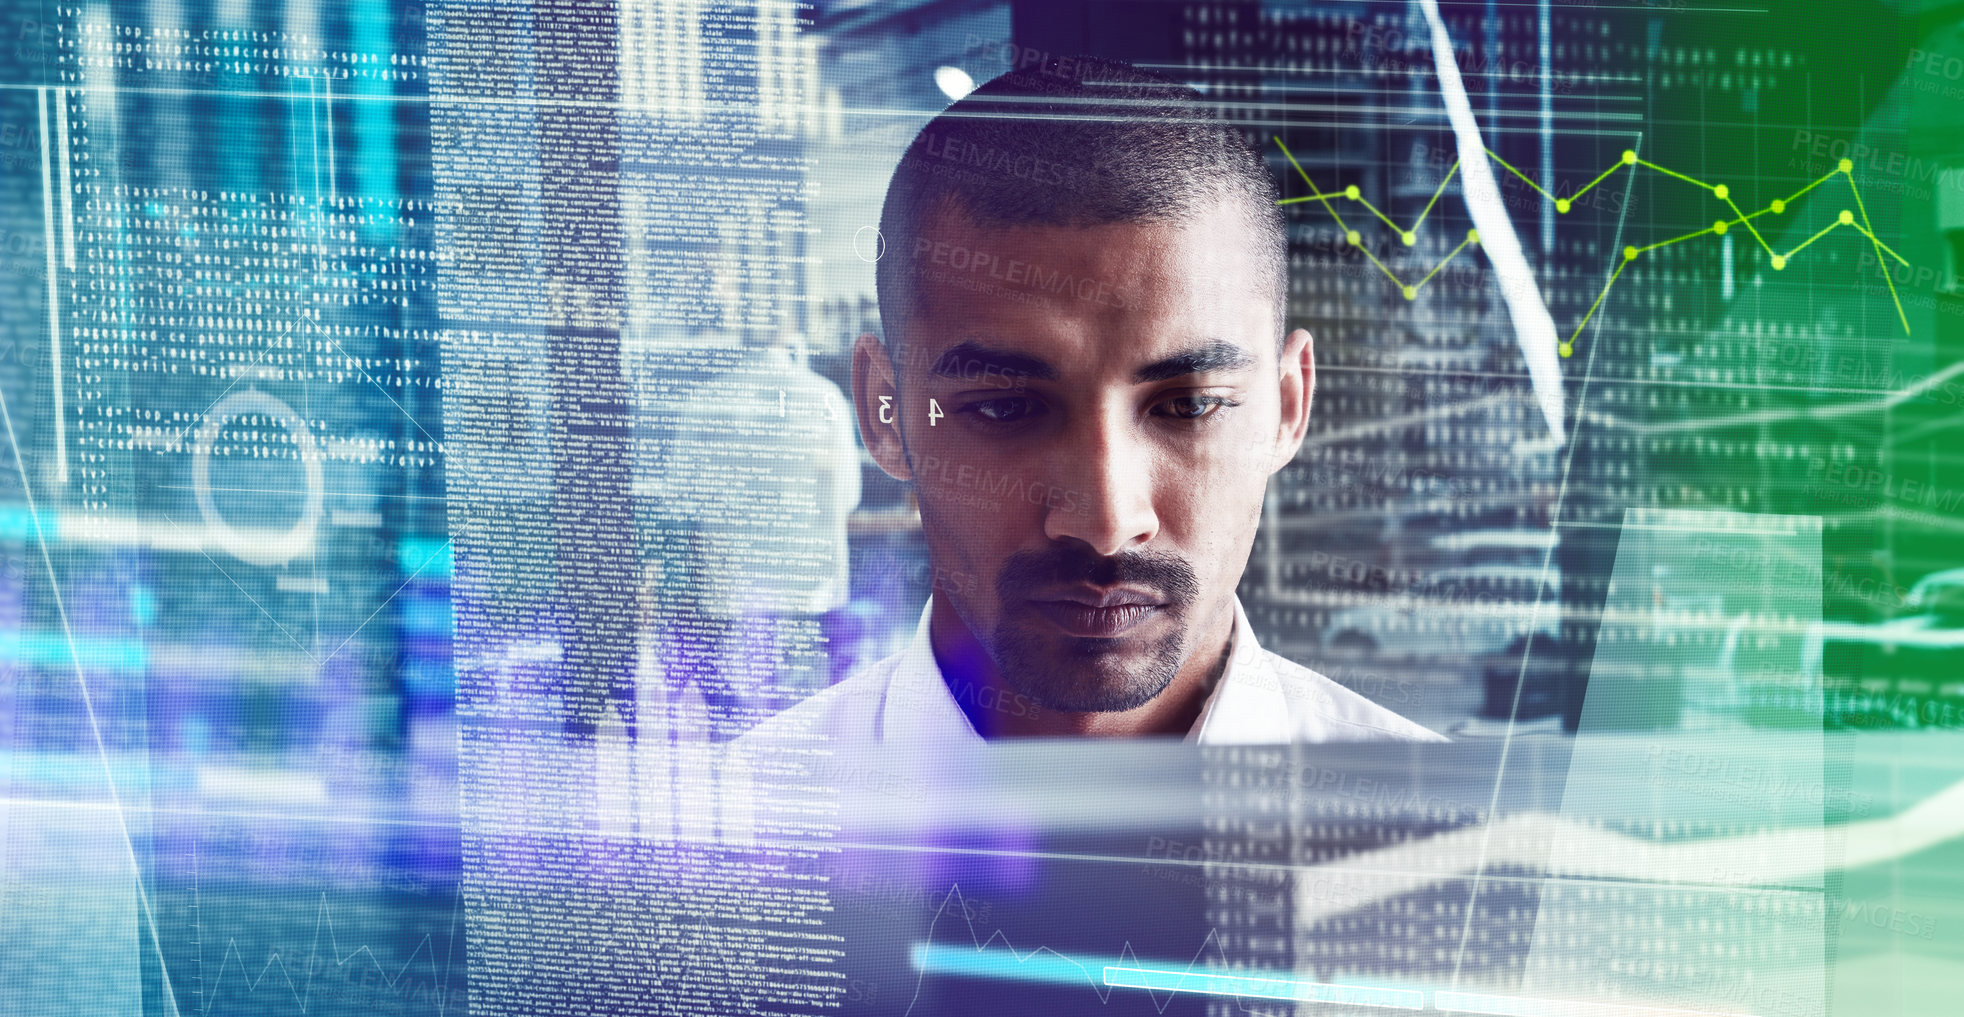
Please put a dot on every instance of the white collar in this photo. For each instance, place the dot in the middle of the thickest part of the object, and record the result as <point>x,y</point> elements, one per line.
<point>1246,707</point>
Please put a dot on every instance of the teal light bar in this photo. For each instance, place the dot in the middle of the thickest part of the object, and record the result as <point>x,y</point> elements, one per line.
<point>1040,965</point>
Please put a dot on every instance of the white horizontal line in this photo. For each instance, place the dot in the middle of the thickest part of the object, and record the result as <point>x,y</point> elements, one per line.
<point>1428,71</point>
<point>1261,987</point>
<point>1522,1006</point>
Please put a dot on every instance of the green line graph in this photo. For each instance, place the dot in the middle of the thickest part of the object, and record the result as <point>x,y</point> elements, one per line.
<point>1409,235</point>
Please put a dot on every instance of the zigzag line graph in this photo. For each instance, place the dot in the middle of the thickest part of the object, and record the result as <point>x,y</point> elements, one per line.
<point>303,993</point>
<point>1040,964</point>
<point>1409,235</point>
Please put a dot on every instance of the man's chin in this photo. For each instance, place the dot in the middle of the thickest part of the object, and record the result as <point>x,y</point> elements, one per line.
<point>1084,674</point>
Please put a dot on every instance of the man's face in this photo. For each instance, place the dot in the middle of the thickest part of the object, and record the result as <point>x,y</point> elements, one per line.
<point>1090,417</point>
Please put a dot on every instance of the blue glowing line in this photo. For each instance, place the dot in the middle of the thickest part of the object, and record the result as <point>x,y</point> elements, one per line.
<point>17,523</point>
<point>425,558</point>
<point>44,650</point>
<point>1045,965</point>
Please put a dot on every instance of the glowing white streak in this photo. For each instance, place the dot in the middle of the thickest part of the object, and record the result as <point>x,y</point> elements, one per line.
<point>1582,852</point>
<point>1532,325</point>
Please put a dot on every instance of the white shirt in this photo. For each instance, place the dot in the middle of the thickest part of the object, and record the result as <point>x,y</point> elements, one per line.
<point>1261,698</point>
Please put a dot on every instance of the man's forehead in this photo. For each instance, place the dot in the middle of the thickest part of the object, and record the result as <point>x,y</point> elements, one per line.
<point>1042,301</point>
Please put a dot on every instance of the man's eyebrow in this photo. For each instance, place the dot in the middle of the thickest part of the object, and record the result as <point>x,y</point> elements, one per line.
<point>969,360</point>
<point>1217,355</point>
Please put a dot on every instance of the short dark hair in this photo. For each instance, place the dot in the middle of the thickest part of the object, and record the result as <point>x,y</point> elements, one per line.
<point>1078,142</point>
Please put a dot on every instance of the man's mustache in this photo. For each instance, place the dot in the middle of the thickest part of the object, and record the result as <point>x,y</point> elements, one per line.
<point>1070,564</point>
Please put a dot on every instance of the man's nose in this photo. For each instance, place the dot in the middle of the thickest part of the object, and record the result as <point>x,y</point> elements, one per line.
<point>1107,478</point>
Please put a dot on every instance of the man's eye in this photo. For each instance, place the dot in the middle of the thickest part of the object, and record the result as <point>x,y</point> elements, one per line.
<point>1004,411</point>
<point>1191,407</point>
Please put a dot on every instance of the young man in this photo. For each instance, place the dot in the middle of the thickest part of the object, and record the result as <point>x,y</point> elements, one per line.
<point>1086,380</point>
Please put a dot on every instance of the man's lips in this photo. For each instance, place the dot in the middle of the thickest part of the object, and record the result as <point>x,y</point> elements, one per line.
<point>1094,613</point>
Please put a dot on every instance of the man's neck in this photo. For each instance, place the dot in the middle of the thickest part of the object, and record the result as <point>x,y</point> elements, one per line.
<point>997,710</point>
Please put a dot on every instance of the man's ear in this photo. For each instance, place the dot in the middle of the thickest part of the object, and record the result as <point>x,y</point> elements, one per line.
<point>876,399</point>
<point>1298,388</point>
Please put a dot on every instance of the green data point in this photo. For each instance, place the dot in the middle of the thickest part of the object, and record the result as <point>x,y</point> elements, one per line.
<point>1353,238</point>
<point>1779,206</point>
<point>1779,263</point>
<point>1561,204</point>
<point>1847,218</point>
<point>1846,166</point>
<point>1719,227</point>
<point>1352,192</point>
<point>1472,236</point>
<point>1629,254</point>
<point>1629,157</point>
<point>1411,293</point>
<point>1409,238</point>
<point>1721,192</point>
<point>1567,350</point>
